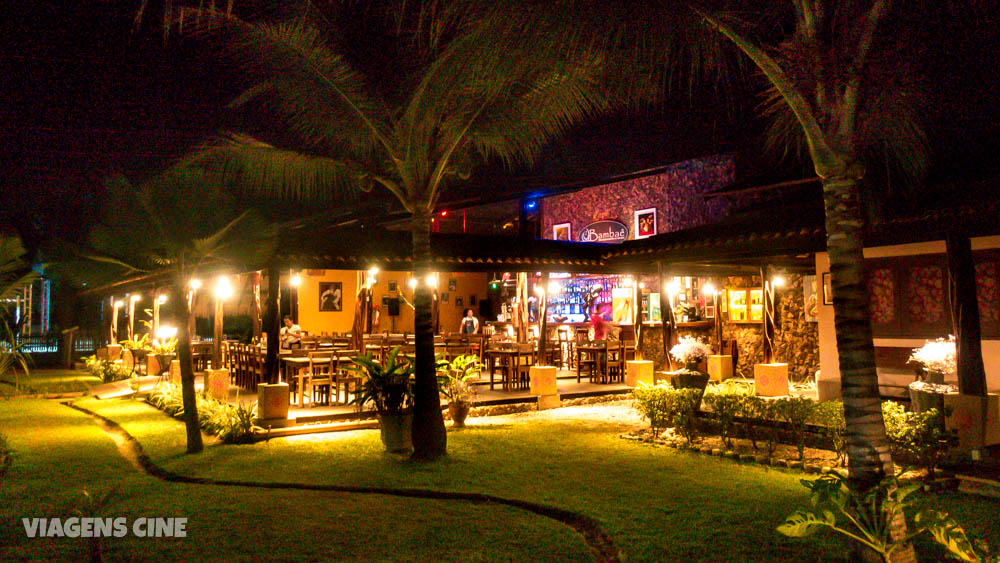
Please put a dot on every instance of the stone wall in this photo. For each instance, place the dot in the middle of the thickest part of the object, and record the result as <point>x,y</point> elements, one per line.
<point>796,342</point>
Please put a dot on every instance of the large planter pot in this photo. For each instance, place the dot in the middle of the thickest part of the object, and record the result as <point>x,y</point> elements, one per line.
<point>395,430</point>
<point>163,362</point>
<point>689,379</point>
<point>459,412</point>
<point>923,401</point>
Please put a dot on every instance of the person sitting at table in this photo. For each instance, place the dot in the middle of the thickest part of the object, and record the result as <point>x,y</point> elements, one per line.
<point>470,324</point>
<point>291,334</point>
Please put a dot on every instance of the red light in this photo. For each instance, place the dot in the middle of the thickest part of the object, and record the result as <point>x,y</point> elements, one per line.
<point>444,213</point>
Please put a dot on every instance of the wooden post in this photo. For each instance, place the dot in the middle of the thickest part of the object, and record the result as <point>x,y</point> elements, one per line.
<point>543,306</point>
<point>272,324</point>
<point>521,317</point>
<point>637,319</point>
<point>667,312</point>
<point>156,313</point>
<point>191,316</point>
<point>114,321</point>
<point>257,321</point>
<point>131,317</point>
<point>965,315</point>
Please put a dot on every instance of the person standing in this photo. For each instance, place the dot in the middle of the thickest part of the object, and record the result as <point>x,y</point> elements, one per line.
<point>470,324</point>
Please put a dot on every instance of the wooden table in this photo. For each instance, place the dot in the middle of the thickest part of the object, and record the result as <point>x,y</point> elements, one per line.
<point>591,349</point>
<point>296,366</point>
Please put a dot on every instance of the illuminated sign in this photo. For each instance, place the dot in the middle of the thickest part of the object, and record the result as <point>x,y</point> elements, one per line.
<point>610,232</point>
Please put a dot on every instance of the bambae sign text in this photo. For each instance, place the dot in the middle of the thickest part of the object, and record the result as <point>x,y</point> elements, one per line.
<point>604,231</point>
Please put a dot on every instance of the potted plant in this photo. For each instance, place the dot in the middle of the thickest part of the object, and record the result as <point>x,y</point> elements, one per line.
<point>453,380</point>
<point>937,358</point>
<point>690,351</point>
<point>165,350</point>
<point>389,388</point>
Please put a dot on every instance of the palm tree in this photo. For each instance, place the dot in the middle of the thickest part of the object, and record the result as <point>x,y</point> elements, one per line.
<point>181,221</point>
<point>409,97</point>
<point>837,84</point>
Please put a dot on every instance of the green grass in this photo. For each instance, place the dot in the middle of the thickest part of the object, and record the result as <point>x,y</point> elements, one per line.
<point>50,381</point>
<point>59,452</point>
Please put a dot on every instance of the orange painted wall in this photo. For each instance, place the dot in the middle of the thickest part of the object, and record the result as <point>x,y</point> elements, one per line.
<point>314,321</point>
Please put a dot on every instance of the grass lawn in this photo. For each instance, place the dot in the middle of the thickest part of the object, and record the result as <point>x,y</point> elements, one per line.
<point>658,504</point>
<point>50,381</point>
<point>59,452</point>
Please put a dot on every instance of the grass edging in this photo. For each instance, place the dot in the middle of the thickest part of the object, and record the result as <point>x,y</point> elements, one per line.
<point>593,534</point>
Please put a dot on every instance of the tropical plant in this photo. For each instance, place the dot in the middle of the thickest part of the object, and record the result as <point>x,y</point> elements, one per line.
<point>178,221</point>
<point>753,408</point>
<point>163,346</point>
<point>917,437</point>
<point>233,424</point>
<point>388,387</point>
<point>106,370</point>
<point>867,515</point>
<point>15,274</point>
<point>830,415</point>
<point>798,413</point>
<point>455,375</point>
<point>937,356</point>
<point>94,505</point>
<point>434,93</point>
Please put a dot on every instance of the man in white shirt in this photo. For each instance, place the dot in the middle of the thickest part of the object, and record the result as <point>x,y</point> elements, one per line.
<point>291,335</point>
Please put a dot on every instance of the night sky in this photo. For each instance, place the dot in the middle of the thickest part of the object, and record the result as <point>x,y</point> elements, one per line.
<point>82,97</point>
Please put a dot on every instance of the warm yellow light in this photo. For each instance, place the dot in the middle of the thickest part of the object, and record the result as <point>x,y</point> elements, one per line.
<point>223,290</point>
<point>373,271</point>
<point>629,282</point>
<point>295,280</point>
<point>555,288</point>
<point>162,298</point>
<point>432,280</point>
<point>195,284</point>
<point>778,281</point>
<point>539,290</point>
<point>642,285</point>
<point>708,289</point>
<point>119,304</point>
<point>672,288</point>
<point>166,332</point>
<point>413,283</point>
<point>135,297</point>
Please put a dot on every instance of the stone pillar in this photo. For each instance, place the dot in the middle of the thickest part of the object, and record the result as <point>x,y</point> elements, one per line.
<point>543,384</point>
<point>771,380</point>
<point>638,371</point>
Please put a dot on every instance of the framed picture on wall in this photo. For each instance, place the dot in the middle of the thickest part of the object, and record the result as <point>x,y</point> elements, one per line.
<point>562,231</point>
<point>331,296</point>
<point>392,286</point>
<point>444,297</point>
<point>472,300</point>
<point>385,301</point>
<point>458,302</point>
<point>644,223</point>
<point>709,311</point>
<point>452,285</point>
<point>827,289</point>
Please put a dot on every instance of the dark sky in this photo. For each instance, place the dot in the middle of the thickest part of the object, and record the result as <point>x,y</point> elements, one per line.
<point>81,98</point>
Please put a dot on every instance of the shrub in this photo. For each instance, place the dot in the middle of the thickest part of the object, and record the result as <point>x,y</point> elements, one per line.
<point>752,407</point>
<point>797,412</point>
<point>653,403</point>
<point>233,424</point>
<point>107,370</point>
<point>726,406</point>
<point>6,457</point>
<point>830,415</point>
<point>917,437</point>
<point>665,407</point>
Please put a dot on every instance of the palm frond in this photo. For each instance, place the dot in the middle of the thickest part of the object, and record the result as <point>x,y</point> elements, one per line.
<point>263,170</point>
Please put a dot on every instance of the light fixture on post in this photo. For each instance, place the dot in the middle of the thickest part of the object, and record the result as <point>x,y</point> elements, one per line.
<point>132,300</point>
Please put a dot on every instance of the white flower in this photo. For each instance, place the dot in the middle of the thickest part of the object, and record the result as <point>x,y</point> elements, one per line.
<point>933,387</point>
<point>937,356</point>
<point>690,350</point>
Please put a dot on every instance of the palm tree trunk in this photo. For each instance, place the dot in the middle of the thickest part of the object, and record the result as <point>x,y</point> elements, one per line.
<point>428,431</point>
<point>272,324</point>
<point>194,443</point>
<point>868,457</point>
<point>965,315</point>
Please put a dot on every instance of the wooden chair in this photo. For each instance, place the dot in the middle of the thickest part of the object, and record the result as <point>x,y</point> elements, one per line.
<point>322,367</point>
<point>527,356</point>
<point>501,364</point>
<point>345,378</point>
<point>566,347</point>
<point>614,362</point>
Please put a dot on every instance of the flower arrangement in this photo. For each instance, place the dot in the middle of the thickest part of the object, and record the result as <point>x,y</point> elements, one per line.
<point>937,356</point>
<point>690,350</point>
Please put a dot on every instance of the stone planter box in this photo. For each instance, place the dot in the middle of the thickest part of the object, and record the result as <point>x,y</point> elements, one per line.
<point>272,405</point>
<point>720,368</point>
<point>771,380</point>
<point>543,380</point>
<point>152,365</point>
<point>217,384</point>
<point>967,418</point>
<point>638,371</point>
<point>114,352</point>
